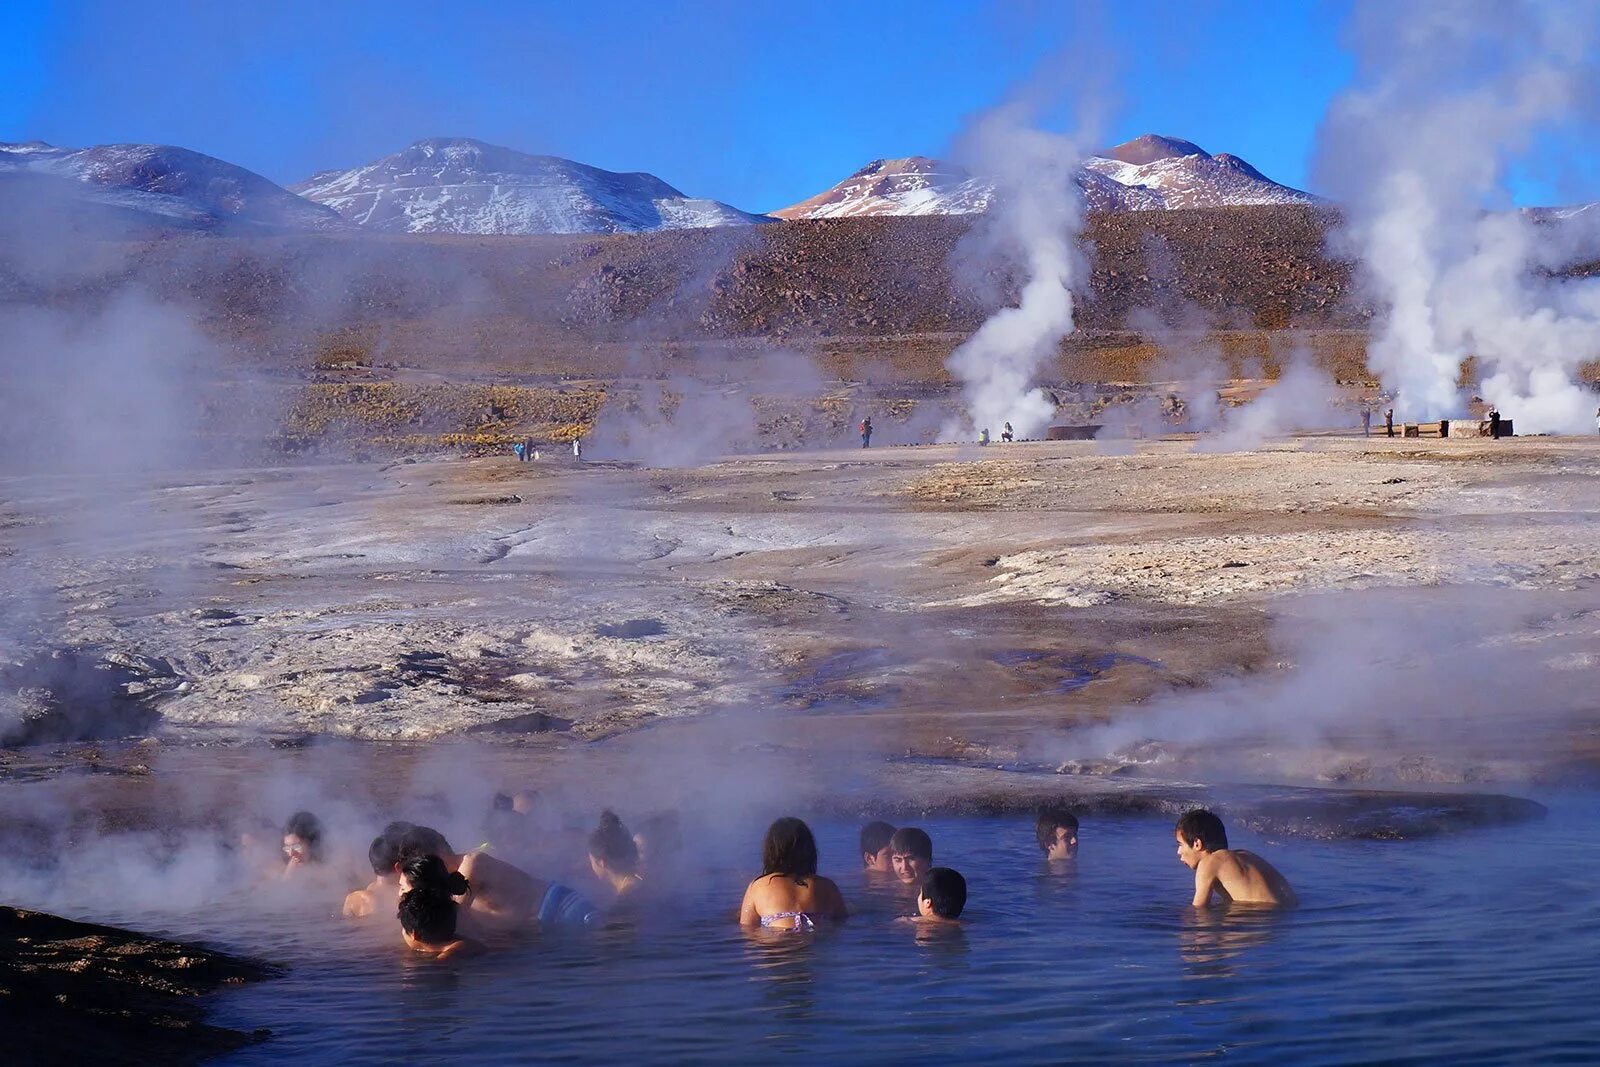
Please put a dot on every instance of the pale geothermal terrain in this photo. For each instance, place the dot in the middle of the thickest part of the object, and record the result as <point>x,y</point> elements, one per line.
<point>1327,609</point>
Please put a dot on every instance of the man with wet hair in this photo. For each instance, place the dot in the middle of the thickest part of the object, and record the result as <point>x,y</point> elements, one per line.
<point>1057,831</point>
<point>1232,875</point>
<point>911,851</point>
<point>875,838</point>
<point>942,897</point>
<point>385,854</point>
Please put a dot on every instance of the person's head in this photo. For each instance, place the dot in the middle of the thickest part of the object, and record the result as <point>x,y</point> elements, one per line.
<point>427,900</point>
<point>911,852</point>
<point>875,837</point>
<point>1057,831</point>
<point>943,894</point>
<point>302,838</point>
<point>502,802</point>
<point>611,848</point>
<point>789,849</point>
<point>384,852</point>
<point>659,838</point>
<point>1199,832</point>
<point>524,800</point>
<point>401,840</point>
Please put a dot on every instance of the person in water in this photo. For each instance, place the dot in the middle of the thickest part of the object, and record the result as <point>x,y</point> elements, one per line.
<point>659,841</point>
<point>942,898</point>
<point>911,852</point>
<point>384,854</point>
<point>1057,831</point>
<point>428,910</point>
<point>302,842</point>
<point>502,896</point>
<point>875,838</point>
<point>790,894</point>
<point>614,857</point>
<point>1231,875</point>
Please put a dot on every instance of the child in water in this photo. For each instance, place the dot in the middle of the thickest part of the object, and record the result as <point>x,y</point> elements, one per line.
<point>789,894</point>
<point>428,908</point>
<point>875,857</point>
<point>941,899</point>
<point>1233,875</point>
<point>1057,831</point>
<point>911,852</point>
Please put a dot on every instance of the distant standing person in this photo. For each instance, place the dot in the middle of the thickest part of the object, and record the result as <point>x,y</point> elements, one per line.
<point>1005,434</point>
<point>1388,422</point>
<point>1366,421</point>
<point>1494,423</point>
<point>1597,420</point>
<point>866,432</point>
<point>577,448</point>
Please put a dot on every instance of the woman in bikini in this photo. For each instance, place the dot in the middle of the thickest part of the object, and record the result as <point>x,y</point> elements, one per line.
<point>790,895</point>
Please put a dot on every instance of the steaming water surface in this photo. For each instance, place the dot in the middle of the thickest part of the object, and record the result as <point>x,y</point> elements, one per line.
<point>1477,947</point>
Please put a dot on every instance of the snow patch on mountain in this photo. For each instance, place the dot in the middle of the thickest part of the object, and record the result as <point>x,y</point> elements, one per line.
<point>458,185</point>
<point>160,184</point>
<point>1148,173</point>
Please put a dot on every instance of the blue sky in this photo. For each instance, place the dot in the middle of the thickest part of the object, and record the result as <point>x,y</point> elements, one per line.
<point>758,104</point>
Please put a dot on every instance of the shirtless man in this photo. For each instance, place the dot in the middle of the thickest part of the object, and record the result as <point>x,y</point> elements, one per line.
<point>502,896</point>
<point>1233,875</point>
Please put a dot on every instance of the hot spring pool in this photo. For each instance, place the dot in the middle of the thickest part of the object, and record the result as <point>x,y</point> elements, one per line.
<point>1478,947</point>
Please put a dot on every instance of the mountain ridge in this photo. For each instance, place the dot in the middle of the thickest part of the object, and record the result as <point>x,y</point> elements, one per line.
<point>1148,173</point>
<point>463,185</point>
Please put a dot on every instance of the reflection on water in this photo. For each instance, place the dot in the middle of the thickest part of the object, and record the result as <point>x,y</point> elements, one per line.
<point>1211,939</point>
<point>1445,950</point>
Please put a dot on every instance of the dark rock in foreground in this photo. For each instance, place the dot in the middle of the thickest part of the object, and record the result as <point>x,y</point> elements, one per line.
<point>79,993</point>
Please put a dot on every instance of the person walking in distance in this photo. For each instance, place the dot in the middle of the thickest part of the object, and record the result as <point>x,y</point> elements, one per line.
<point>1388,422</point>
<point>866,432</point>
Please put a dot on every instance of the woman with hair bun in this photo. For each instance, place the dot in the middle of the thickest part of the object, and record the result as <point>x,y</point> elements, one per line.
<point>428,909</point>
<point>790,894</point>
<point>614,856</point>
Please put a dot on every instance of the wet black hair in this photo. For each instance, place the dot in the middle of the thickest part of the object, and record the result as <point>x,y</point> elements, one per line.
<point>911,841</point>
<point>875,837</point>
<point>423,841</point>
<point>400,840</point>
<point>613,845</point>
<point>1201,825</point>
<point>428,909</point>
<point>308,828</point>
<point>945,891</point>
<point>502,802</point>
<point>789,849</point>
<point>384,852</point>
<point>1049,821</point>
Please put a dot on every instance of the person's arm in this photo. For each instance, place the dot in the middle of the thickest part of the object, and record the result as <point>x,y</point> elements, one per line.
<point>1205,881</point>
<point>840,911</point>
<point>461,947</point>
<point>748,915</point>
<point>359,903</point>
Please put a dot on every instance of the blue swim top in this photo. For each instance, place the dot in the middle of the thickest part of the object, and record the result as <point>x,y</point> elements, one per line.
<point>563,906</point>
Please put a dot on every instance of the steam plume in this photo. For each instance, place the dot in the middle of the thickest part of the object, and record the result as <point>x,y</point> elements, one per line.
<point>1446,95</point>
<point>1037,216</point>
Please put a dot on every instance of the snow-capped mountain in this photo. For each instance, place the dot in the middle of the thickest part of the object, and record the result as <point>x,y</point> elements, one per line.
<point>160,185</point>
<point>458,185</point>
<point>1148,173</point>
